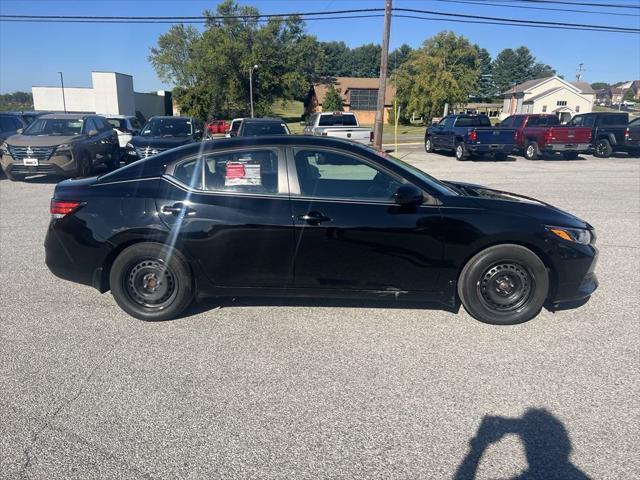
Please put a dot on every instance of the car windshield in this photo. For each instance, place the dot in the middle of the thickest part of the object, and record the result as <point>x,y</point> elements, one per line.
<point>118,123</point>
<point>436,184</point>
<point>252,129</point>
<point>168,127</point>
<point>55,126</point>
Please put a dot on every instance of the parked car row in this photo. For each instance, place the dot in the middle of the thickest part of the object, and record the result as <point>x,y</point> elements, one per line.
<point>533,135</point>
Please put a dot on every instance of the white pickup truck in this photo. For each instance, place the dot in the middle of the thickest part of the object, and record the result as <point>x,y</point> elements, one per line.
<point>338,124</point>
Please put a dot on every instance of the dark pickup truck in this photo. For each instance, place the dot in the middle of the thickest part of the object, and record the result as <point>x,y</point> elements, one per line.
<point>632,139</point>
<point>469,134</point>
<point>608,131</point>
<point>538,134</point>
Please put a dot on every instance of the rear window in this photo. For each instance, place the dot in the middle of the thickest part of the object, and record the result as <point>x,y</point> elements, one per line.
<point>479,121</point>
<point>117,123</point>
<point>582,121</point>
<point>615,119</point>
<point>345,119</point>
<point>252,129</point>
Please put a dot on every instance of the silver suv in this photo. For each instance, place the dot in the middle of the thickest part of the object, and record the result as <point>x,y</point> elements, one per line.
<point>60,144</point>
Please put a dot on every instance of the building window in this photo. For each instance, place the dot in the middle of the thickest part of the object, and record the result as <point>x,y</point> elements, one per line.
<point>561,103</point>
<point>577,108</point>
<point>363,99</point>
<point>544,109</point>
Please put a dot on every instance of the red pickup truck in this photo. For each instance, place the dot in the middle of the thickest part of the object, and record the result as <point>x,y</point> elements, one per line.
<point>537,134</point>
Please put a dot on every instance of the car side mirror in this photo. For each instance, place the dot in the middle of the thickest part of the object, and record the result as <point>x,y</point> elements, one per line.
<point>408,195</point>
<point>92,133</point>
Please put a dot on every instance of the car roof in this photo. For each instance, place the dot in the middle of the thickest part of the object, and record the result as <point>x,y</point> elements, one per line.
<point>70,116</point>
<point>263,120</point>
<point>120,116</point>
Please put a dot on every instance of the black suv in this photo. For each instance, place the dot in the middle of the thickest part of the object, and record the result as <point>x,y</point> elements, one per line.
<point>163,133</point>
<point>608,131</point>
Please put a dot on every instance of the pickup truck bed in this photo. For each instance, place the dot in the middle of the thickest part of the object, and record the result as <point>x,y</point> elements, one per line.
<point>339,125</point>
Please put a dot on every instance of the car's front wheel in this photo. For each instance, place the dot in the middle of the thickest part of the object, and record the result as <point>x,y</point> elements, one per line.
<point>151,282</point>
<point>504,285</point>
<point>428,145</point>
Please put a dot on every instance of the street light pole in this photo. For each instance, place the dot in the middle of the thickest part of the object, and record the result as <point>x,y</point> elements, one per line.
<point>64,103</point>
<point>251,87</point>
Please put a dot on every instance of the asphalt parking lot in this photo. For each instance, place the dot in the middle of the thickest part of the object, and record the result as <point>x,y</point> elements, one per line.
<point>294,390</point>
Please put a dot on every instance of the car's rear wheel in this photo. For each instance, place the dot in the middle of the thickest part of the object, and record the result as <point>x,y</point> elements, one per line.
<point>428,145</point>
<point>461,151</point>
<point>570,155</point>
<point>531,151</point>
<point>504,285</point>
<point>603,148</point>
<point>151,282</point>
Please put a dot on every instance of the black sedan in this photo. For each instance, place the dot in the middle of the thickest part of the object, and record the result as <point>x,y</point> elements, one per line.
<point>309,216</point>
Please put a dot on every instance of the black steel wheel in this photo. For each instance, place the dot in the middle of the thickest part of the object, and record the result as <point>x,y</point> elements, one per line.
<point>150,281</point>
<point>603,148</point>
<point>504,284</point>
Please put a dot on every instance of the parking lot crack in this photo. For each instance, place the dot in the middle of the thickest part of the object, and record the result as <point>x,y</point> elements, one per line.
<point>27,457</point>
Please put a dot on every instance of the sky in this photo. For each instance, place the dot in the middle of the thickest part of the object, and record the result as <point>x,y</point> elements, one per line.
<point>32,53</point>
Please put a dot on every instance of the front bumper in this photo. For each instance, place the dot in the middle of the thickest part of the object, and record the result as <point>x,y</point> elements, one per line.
<point>567,147</point>
<point>576,278</point>
<point>57,164</point>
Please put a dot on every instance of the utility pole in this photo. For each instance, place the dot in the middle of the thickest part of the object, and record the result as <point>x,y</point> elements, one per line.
<point>251,87</point>
<point>579,72</point>
<point>377,127</point>
<point>64,103</point>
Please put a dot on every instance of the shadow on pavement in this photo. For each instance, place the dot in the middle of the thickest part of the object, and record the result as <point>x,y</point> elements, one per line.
<point>546,443</point>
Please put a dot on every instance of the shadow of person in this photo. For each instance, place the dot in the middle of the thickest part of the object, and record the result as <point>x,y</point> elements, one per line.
<point>545,440</point>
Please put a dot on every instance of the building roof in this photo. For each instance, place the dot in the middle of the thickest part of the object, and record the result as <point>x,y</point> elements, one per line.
<point>524,86</point>
<point>344,84</point>
<point>584,87</point>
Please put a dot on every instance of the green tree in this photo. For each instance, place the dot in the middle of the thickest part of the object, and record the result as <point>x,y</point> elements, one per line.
<point>600,85</point>
<point>629,96</point>
<point>399,56</point>
<point>332,100</point>
<point>516,66</point>
<point>337,59</point>
<point>444,70</point>
<point>210,71</point>
<point>365,60</point>
<point>16,101</point>
<point>485,90</point>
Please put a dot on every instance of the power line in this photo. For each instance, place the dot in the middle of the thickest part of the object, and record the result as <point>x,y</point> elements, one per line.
<point>516,20</point>
<point>504,4</point>
<point>581,4</point>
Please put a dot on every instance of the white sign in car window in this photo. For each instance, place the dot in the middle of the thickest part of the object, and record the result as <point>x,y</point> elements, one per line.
<point>242,172</point>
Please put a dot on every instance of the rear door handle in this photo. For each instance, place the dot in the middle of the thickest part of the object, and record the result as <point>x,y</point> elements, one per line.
<point>314,218</point>
<point>178,209</point>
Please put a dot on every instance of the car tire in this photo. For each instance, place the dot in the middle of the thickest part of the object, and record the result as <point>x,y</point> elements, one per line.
<point>531,151</point>
<point>461,151</point>
<point>85,165</point>
<point>569,155</point>
<point>500,156</point>
<point>151,282</point>
<point>428,145</point>
<point>504,285</point>
<point>603,148</point>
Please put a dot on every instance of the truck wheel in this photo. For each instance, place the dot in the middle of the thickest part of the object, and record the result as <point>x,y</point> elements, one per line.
<point>531,151</point>
<point>428,145</point>
<point>570,155</point>
<point>504,285</point>
<point>603,148</point>
<point>461,151</point>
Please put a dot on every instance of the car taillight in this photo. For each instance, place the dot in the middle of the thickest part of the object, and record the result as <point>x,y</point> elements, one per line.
<point>516,136</point>
<point>371,137</point>
<point>548,135</point>
<point>626,134</point>
<point>473,136</point>
<point>61,208</point>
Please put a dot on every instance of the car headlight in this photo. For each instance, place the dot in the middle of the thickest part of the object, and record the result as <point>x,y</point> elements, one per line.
<point>64,146</point>
<point>577,235</point>
<point>130,149</point>
<point>4,148</point>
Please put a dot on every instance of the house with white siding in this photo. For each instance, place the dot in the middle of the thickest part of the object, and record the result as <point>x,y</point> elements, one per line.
<point>549,95</point>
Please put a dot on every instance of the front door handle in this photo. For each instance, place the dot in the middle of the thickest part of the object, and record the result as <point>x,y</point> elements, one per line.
<point>178,209</point>
<point>314,218</point>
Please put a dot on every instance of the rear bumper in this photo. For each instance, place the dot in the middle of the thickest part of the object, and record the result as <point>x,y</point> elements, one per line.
<point>485,148</point>
<point>567,147</point>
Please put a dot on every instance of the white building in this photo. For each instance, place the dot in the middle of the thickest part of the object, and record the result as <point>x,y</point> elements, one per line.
<point>549,95</point>
<point>111,94</point>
